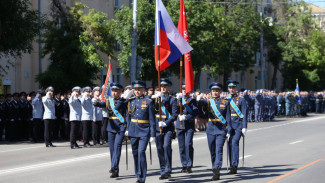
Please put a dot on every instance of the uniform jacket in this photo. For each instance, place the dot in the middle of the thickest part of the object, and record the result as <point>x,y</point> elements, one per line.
<point>49,108</point>
<point>170,104</point>
<point>236,122</point>
<point>87,109</point>
<point>190,117</point>
<point>75,109</point>
<point>141,119</point>
<point>217,127</point>
<point>37,108</point>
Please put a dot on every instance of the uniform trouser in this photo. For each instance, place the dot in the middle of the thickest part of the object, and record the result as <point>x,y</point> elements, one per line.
<point>7,129</point>
<point>318,106</point>
<point>86,131</point>
<point>139,146</point>
<point>36,129</point>
<point>215,143</point>
<point>58,128</point>
<point>75,126</point>
<point>12,126</point>
<point>164,151</point>
<point>96,127</point>
<point>48,131</point>
<point>103,130</point>
<point>257,114</point>
<point>185,143</point>
<point>115,148</point>
<point>234,147</point>
<point>67,127</point>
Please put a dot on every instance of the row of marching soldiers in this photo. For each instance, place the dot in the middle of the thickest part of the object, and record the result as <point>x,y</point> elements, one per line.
<point>142,121</point>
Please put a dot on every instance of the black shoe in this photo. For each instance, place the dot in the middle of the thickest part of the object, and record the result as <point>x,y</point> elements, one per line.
<point>183,170</point>
<point>111,171</point>
<point>75,146</point>
<point>188,170</point>
<point>114,175</point>
<point>216,174</point>
<point>50,145</point>
<point>86,145</point>
<point>138,181</point>
<point>164,176</point>
<point>232,170</point>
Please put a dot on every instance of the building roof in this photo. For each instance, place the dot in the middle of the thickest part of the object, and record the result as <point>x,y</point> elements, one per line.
<point>316,9</point>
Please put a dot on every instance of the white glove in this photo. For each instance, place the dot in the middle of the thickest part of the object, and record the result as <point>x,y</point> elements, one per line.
<point>152,139</point>
<point>179,96</point>
<point>94,100</point>
<point>12,120</point>
<point>74,93</point>
<point>198,98</point>
<point>127,94</point>
<point>48,94</point>
<point>159,94</point>
<point>181,117</point>
<point>162,124</point>
<point>126,133</point>
<point>244,130</point>
<point>37,95</point>
<point>228,136</point>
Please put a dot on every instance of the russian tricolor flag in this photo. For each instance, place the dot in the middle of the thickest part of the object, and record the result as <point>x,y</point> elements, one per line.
<point>167,38</point>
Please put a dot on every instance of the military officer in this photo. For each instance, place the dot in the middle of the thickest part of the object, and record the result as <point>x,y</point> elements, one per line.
<point>37,105</point>
<point>66,114</point>
<point>48,116</point>
<point>116,107</point>
<point>219,118</point>
<point>59,122</point>
<point>97,118</point>
<point>141,128</point>
<point>185,127</point>
<point>86,115</point>
<point>169,113</point>
<point>75,116</point>
<point>238,108</point>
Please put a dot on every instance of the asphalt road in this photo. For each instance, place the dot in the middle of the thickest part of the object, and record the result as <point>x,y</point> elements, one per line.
<point>286,150</point>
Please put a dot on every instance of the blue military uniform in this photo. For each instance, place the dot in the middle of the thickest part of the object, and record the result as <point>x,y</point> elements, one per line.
<point>217,128</point>
<point>237,124</point>
<point>141,125</point>
<point>186,131</point>
<point>116,126</point>
<point>169,112</point>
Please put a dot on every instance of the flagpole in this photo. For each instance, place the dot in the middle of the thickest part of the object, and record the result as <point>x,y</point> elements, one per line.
<point>180,85</point>
<point>159,89</point>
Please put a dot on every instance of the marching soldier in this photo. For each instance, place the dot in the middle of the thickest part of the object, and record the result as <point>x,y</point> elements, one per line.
<point>185,131</point>
<point>169,112</point>
<point>116,107</point>
<point>75,116</point>
<point>218,111</point>
<point>37,115</point>
<point>86,115</point>
<point>141,128</point>
<point>238,108</point>
<point>48,116</point>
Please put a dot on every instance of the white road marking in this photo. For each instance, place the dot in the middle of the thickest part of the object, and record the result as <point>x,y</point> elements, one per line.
<point>59,162</point>
<point>247,156</point>
<point>21,149</point>
<point>296,142</point>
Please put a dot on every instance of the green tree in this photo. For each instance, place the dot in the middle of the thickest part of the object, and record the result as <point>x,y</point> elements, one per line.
<point>19,25</point>
<point>69,65</point>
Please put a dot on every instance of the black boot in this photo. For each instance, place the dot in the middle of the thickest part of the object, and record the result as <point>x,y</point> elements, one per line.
<point>216,174</point>
<point>189,170</point>
<point>183,170</point>
<point>232,170</point>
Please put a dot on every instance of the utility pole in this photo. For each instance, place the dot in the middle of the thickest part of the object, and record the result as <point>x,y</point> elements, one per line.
<point>261,47</point>
<point>133,61</point>
<point>40,39</point>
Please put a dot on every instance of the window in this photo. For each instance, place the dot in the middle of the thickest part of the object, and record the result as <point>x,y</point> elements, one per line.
<point>118,4</point>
